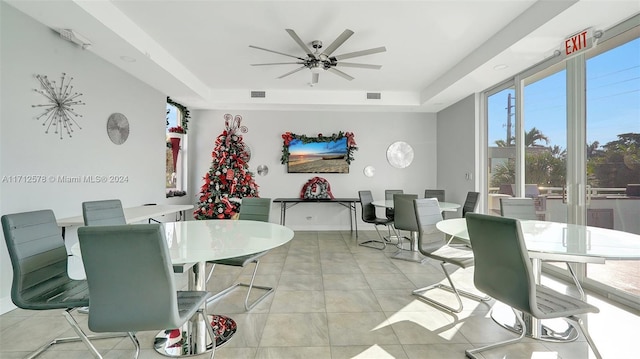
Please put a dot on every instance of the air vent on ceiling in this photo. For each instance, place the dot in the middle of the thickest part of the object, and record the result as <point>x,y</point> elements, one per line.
<point>258,94</point>
<point>373,96</point>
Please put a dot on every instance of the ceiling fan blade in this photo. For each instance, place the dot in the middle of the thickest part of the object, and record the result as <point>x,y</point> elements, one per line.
<point>279,63</point>
<point>340,73</point>
<point>276,52</point>
<point>292,72</point>
<point>362,66</point>
<point>299,41</point>
<point>337,42</point>
<point>360,53</point>
<point>314,78</point>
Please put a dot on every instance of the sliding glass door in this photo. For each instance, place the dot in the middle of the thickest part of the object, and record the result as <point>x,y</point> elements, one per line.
<point>566,132</point>
<point>613,154</point>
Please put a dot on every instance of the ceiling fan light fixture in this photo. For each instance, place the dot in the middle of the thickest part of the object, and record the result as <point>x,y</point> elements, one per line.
<point>315,67</point>
<point>322,60</point>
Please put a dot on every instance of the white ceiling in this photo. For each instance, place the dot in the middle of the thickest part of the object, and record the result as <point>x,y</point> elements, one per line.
<point>438,52</point>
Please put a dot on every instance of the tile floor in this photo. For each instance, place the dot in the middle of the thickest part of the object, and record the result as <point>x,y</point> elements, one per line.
<point>337,300</point>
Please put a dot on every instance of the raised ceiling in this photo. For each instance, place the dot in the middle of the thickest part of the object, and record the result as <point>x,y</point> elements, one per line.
<point>438,52</point>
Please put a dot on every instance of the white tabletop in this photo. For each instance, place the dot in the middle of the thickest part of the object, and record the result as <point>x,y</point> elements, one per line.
<point>199,241</point>
<point>133,214</point>
<point>444,206</point>
<point>553,240</point>
<point>215,239</point>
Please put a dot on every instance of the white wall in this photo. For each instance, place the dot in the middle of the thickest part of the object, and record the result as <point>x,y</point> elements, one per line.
<point>29,48</point>
<point>374,132</point>
<point>457,150</point>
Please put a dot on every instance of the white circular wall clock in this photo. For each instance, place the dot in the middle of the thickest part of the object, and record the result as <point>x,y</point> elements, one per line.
<point>118,128</point>
<point>400,154</point>
<point>58,113</point>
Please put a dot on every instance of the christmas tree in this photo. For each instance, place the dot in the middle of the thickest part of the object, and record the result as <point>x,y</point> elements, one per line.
<point>228,179</point>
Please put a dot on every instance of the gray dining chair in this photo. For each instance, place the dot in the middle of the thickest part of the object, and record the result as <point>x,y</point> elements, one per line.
<point>40,278</point>
<point>503,271</point>
<point>405,219</point>
<point>103,213</point>
<point>525,209</point>
<point>470,203</point>
<point>388,196</point>
<point>432,244</point>
<point>131,282</point>
<point>368,213</point>
<point>251,209</point>
<point>434,193</point>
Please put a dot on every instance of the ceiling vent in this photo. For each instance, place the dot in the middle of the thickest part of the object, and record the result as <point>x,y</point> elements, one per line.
<point>258,94</point>
<point>374,96</point>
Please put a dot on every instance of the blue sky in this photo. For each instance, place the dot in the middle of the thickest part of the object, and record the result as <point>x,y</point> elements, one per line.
<point>296,147</point>
<point>613,100</point>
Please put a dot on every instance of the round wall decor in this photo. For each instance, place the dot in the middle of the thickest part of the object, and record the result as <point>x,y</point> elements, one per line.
<point>369,171</point>
<point>400,154</point>
<point>263,170</point>
<point>118,128</point>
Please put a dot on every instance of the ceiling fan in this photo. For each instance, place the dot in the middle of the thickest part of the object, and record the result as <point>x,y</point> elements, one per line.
<point>321,59</point>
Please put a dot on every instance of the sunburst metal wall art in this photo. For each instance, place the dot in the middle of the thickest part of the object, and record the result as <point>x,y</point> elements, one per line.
<point>59,112</point>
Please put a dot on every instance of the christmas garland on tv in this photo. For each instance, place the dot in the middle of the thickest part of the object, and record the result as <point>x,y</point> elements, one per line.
<point>287,137</point>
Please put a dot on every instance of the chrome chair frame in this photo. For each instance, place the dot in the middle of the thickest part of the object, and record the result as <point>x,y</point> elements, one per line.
<point>431,243</point>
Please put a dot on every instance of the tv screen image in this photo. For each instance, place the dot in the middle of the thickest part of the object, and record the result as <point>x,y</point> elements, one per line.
<point>318,156</point>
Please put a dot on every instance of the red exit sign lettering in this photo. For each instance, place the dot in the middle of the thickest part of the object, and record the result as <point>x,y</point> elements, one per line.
<point>578,43</point>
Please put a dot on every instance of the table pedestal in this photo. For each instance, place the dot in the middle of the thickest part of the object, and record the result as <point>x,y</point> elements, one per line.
<point>412,255</point>
<point>192,338</point>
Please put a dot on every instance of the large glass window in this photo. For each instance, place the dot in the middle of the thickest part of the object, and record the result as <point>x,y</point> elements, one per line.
<point>574,130</point>
<point>613,154</point>
<point>545,141</point>
<point>501,151</point>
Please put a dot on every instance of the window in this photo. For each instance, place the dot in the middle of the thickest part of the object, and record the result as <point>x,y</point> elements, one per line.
<point>175,164</point>
<point>574,130</point>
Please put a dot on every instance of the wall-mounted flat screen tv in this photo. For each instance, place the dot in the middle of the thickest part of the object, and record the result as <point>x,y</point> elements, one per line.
<point>318,156</point>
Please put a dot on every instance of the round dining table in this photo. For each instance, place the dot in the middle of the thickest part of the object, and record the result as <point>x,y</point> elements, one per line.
<point>558,242</point>
<point>191,244</point>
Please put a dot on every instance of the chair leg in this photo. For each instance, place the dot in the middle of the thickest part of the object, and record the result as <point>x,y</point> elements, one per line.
<point>212,335</point>
<point>136,343</point>
<point>247,306</point>
<point>381,241</point>
<point>586,334</point>
<point>470,353</point>
<point>450,288</point>
<point>81,337</point>
<point>576,281</point>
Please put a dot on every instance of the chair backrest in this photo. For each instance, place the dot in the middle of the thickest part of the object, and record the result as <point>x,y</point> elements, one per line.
<point>103,213</point>
<point>404,215</point>
<point>368,209</point>
<point>388,196</point>
<point>434,193</point>
<point>255,209</point>
<point>39,260</point>
<point>130,278</point>
<point>501,261</point>
<point>520,208</point>
<point>428,213</point>
<point>470,203</point>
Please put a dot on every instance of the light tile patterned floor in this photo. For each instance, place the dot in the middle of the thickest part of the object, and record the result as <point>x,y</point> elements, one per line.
<point>337,300</point>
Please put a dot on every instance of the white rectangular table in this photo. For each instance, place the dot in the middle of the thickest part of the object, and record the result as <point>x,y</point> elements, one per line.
<point>133,214</point>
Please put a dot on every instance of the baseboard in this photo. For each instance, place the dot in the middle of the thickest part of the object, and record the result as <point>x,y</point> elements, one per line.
<point>6,305</point>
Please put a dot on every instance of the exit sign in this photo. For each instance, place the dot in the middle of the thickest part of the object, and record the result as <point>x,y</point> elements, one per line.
<point>578,43</point>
